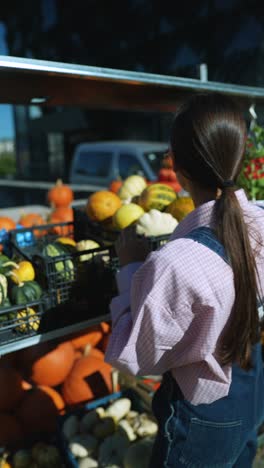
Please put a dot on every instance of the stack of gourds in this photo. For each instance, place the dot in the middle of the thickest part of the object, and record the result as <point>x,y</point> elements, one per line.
<point>18,288</point>
<point>154,208</point>
<point>114,435</point>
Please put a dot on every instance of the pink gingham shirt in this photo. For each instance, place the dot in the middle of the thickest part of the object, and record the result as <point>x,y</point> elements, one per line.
<point>172,308</point>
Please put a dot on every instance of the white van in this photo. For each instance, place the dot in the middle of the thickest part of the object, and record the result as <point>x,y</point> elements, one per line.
<point>99,163</point>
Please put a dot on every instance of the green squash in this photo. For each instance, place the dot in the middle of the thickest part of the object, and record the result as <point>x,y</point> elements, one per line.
<point>65,267</point>
<point>22,293</point>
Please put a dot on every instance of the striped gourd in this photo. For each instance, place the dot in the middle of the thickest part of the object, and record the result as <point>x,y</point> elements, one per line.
<point>156,197</point>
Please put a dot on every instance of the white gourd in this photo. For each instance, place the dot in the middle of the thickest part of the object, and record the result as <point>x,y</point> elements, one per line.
<point>156,223</point>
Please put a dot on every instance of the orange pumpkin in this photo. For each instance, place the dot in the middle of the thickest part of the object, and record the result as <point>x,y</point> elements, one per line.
<point>11,391</point>
<point>7,223</point>
<point>46,365</point>
<point>96,353</point>
<point>91,336</point>
<point>55,396</point>
<point>37,412</point>
<point>102,205</point>
<point>10,430</point>
<point>63,214</point>
<point>89,378</point>
<point>102,345</point>
<point>33,219</point>
<point>115,185</point>
<point>60,194</point>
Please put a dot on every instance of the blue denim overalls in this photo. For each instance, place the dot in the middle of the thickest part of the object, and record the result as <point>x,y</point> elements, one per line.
<point>222,434</point>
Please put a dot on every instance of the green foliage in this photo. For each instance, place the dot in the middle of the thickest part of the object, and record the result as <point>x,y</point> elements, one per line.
<point>251,178</point>
<point>7,164</point>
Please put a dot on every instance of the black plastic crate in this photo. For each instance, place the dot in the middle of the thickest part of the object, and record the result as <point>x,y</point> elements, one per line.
<point>137,405</point>
<point>18,322</point>
<point>72,276</point>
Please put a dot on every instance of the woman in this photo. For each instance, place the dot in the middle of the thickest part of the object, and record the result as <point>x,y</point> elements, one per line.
<point>190,311</point>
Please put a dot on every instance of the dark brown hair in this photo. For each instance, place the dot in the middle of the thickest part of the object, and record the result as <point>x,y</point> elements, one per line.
<point>208,142</point>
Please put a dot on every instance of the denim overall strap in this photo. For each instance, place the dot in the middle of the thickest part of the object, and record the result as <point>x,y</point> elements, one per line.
<point>206,236</point>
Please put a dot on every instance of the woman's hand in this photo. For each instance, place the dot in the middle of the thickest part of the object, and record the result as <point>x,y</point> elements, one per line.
<point>131,248</point>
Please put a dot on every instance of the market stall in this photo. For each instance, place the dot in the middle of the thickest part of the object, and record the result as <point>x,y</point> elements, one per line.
<point>57,278</point>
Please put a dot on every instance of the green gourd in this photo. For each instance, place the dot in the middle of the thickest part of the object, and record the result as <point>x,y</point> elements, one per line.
<point>22,293</point>
<point>64,267</point>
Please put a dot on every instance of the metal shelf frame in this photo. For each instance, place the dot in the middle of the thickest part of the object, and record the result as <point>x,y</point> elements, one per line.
<point>26,81</point>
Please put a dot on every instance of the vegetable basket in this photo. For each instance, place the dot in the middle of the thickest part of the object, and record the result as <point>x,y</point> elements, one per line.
<point>137,404</point>
<point>69,276</point>
<point>18,322</point>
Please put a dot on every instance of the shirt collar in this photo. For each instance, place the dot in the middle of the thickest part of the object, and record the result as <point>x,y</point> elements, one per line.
<point>202,216</point>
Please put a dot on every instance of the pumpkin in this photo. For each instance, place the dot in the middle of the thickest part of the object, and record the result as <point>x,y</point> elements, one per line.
<point>22,293</point>
<point>30,220</point>
<point>37,412</point>
<point>91,336</point>
<point>62,214</point>
<point>60,194</point>
<point>55,396</point>
<point>94,352</point>
<point>180,207</point>
<point>89,378</point>
<point>46,364</point>
<point>102,345</point>
<point>7,223</point>
<point>115,186</point>
<point>102,205</point>
<point>156,196</point>
<point>11,391</point>
<point>10,430</point>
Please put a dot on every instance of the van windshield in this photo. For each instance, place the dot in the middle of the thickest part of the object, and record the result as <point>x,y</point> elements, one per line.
<point>154,159</point>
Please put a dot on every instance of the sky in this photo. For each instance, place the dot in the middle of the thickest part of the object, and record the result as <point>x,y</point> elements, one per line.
<point>6,117</point>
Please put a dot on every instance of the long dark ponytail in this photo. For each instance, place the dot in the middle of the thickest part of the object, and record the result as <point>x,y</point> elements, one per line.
<point>208,141</point>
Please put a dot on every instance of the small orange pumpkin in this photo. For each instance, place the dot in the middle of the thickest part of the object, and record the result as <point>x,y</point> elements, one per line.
<point>7,223</point>
<point>115,185</point>
<point>30,220</point>
<point>60,194</point>
<point>46,365</point>
<point>102,205</point>
<point>63,214</point>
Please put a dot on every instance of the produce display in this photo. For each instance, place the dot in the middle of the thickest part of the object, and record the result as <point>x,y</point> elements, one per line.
<point>111,435</point>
